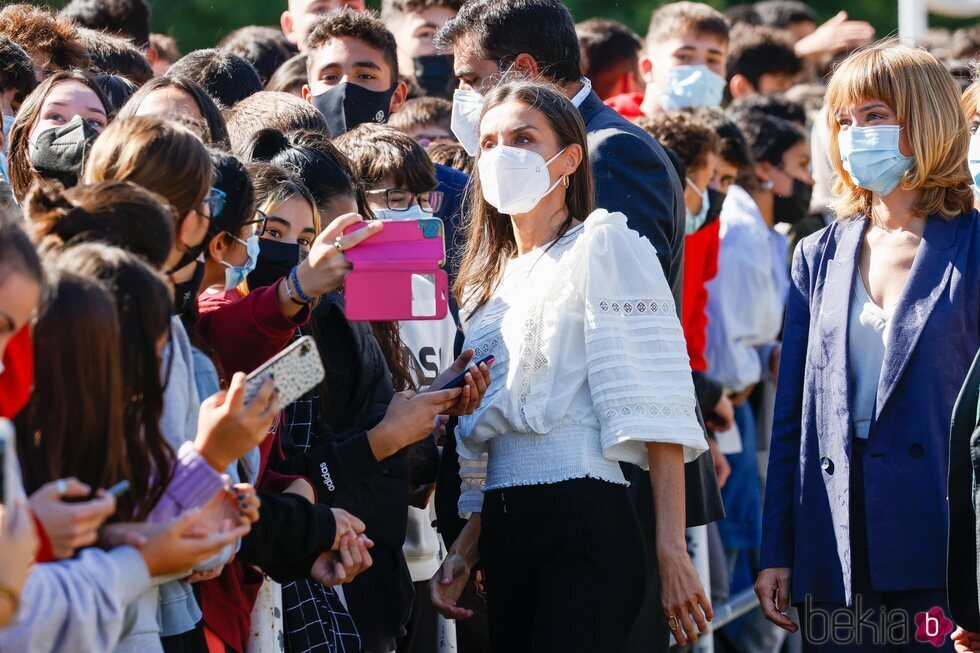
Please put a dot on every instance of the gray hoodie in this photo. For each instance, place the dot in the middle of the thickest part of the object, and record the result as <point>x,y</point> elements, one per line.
<point>77,605</point>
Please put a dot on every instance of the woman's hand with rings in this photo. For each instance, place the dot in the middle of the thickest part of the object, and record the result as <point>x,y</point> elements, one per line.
<point>326,266</point>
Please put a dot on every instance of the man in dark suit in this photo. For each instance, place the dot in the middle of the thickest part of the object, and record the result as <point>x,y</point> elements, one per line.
<point>963,550</point>
<point>633,175</point>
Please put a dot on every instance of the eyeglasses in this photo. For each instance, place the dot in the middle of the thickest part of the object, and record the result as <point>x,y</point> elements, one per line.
<point>214,203</point>
<point>396,199</point>
<point>260,222</point>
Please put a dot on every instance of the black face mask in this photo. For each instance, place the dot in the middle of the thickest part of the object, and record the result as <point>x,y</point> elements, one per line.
<point>276,260</point>
<point>185,292</point>
<point>190,254</point>
<point>794,208</point>
<point>59,153</point>
<point>435,75</point>
<point>715,199</point>
<point>346,106</point>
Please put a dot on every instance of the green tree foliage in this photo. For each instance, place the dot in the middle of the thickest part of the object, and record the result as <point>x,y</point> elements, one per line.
<point>202,23</point>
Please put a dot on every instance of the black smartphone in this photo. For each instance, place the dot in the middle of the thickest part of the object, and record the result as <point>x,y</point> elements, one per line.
<point>460,380</point>
<point>117,490</point>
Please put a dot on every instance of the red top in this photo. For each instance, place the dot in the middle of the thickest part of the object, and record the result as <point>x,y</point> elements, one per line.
<point>244,332</point>
<point>17,379</point>
<point>700,267</point>
<point>627,105</point>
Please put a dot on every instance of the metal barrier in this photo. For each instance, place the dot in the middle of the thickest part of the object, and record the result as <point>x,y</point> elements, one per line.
<point>736,606</point>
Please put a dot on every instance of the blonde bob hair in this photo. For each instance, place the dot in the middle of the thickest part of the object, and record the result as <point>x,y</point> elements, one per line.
<point>926,100</point>
<point>971,101</point>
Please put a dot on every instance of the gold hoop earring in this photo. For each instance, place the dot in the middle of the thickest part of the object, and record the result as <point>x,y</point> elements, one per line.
<point>564,180</point>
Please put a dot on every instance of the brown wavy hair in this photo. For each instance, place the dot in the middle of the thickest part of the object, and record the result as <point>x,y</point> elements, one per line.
<point>489,234</point>
<point>73,424</point>
<point>143,304</point>
<point>41,31</point>
<point>926,100</point>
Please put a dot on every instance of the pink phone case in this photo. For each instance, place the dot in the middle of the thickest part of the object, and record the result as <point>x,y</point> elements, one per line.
<point>396,273</point>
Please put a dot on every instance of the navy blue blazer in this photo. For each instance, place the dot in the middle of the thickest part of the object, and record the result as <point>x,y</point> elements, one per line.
<point>633,175</point>
<point>933,326</point>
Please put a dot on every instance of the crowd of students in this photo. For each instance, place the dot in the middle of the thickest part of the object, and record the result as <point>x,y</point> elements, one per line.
<point>735,259</point>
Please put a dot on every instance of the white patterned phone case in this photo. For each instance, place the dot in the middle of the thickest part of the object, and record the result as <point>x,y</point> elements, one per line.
<point>295,371</point>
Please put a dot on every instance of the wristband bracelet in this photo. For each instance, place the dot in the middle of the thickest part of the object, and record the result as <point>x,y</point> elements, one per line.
<point>289,293</point>
<point>11,595</point>
<point>299,290</point>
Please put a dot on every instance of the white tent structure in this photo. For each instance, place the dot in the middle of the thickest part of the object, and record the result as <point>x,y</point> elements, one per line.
<point>913,15</point>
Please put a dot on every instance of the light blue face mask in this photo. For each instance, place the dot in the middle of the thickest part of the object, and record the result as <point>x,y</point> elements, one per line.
<point>235,274</point>
<point>973,159</point>
<point>692,86</point>
<point>871,157</point>
<point>414,212</point>
<point>696,220</point>
<point>8,124</point>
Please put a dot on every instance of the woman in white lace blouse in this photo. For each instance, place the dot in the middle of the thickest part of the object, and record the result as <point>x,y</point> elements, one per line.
<point>590,370</point>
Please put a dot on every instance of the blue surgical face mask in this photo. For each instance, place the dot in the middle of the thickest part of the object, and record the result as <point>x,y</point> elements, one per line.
<point>696,220</point>
<point>8,124</point>
<point>692,86</point>
<point>973,159</point>
<point>414,212</point>
<point>871,157</point>
<point>235,274</point>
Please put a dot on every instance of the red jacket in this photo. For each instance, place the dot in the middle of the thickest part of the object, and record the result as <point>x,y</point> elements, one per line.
<point>627,105</point>
<point>17,379</point>
<point>700,267</point>
<point>244,332</point>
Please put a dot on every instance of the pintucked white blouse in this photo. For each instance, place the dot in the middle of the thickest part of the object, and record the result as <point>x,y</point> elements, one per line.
<point>590,365</point>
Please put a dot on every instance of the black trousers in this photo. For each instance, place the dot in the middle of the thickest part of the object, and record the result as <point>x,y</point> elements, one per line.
<point>565,566</point>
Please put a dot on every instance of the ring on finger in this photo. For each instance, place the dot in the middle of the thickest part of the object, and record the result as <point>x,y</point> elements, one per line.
<point>339,245</point>
<point>61,487</point>
<point>673,623</point>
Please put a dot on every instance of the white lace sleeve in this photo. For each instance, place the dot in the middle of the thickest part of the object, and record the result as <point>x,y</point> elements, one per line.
<point>473,475</point>
<point>639,371</point>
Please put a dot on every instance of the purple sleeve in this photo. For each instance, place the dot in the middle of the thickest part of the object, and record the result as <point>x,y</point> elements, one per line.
<point>193,484</point>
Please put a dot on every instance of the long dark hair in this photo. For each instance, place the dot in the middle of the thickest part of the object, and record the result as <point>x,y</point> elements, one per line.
<point>73,424</point>
<point>143,304</point>
<point>113,212</point>
<point>490,234</point>
<point>216,133</point>
<point>21,173</point>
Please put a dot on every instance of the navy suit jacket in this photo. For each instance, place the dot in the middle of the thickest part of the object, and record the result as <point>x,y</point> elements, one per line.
<point>634,175</point>
<point>963,550</point>
<point>933,327</point>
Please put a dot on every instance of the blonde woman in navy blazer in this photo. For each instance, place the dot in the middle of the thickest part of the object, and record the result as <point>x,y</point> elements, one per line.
<point>855,508</point>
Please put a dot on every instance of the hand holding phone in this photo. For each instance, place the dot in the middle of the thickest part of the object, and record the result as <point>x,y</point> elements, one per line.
<point>295,370</point>
<point>460,380</point>
<point>474,379</point>
<point>228,426</point>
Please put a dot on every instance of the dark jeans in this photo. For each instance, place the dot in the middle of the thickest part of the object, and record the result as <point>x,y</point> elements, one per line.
<point>565,565</point>
<point>817,619</point>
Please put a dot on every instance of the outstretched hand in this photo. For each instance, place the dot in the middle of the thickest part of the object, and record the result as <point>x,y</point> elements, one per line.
<point>447,586</point>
